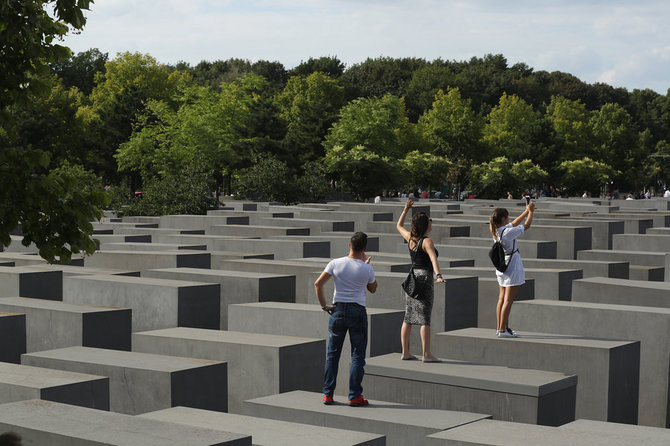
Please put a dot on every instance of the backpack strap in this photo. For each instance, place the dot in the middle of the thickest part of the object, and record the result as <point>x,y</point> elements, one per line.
<point>513,243</point>
<point>415,252</point>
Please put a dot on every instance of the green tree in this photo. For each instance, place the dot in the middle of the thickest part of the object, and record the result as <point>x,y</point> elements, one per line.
<point>426,169</point>
<point>515,130</point>
<point>80,70</point>
<point>382,76</point>
<point>379,125</point>
<point>331,66</point>
<point>119,97</point>
<point>572,130</point>
<point>268,179</point>
<point>585,175</point>
<point>53,207</point>
<point>362,172</point>
<point>452,128</point>
<point>422,88</point>
<point>309,106</point>
<point>495,178</point>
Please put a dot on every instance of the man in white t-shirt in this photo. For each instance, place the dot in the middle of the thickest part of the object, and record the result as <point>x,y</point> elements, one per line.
<point>352,276</point>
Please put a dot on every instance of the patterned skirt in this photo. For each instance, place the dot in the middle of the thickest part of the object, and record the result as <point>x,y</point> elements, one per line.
<point>417,311</point>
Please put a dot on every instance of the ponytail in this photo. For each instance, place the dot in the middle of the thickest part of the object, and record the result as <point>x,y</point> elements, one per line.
<point>496,220</point>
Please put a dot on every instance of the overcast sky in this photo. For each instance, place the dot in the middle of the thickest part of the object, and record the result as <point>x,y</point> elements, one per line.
<point>625,43</point>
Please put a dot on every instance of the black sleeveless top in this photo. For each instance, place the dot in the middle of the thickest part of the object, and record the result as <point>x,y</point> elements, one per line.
<point>422,259</point>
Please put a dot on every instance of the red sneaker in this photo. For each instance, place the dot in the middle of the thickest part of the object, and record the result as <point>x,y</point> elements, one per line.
<point>327,400</point>
<point>358,401</point>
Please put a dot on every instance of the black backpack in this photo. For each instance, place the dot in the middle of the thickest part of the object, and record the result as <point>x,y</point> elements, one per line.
<point>497,254</point>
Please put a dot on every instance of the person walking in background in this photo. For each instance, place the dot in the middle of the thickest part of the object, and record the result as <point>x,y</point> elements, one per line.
<point>514,276</point>
<point>352,275</point>
<point>418,310</point>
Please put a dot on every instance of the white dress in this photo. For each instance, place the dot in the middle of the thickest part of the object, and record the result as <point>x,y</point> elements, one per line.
<point>514,275</point>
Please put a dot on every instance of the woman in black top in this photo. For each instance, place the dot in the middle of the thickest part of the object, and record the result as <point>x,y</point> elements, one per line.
<point>422,250</point>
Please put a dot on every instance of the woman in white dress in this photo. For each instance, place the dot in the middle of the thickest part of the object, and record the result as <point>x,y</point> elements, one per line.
<point>509,281</point>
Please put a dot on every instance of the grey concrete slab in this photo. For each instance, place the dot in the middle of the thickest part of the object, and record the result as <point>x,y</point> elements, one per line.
<point>141,260</point>
<point>608,370</point>
<point>12,336</point>
<point>129,246</point>
<point>142,382</point>
<point>22,382</point>
<point>339,242</point>
<point>522,395</point>
<point>55,424</point>
<point>440,230</point>
<point>617,434</point>
<point>487,299</point>
<point>622,292</point>
<point>503,433</point>
<point>601,230</point>
<point>53,324</point>
<point>552,284</point>
<point>643,258</point>
<point>155,303</point>
<point>235,286</point>
<point>258,230</point>
<point>315,226</point>
<point>218,257</point>
<point>70,270</point>
<point>258,364</point>
<point>402,424</point>
<point>590,268</point>
<point>310,320</point>
<point>570,239</point>
<point>649,325</point>
<point>641,242</point>
<point>536,249</point>
<point>102,240</point>
<point>282,249</point>
<point>444,261</point>
<point>265,431</point>
<point>22,259</point>
<point>649,273</point>
<point>27,281</point>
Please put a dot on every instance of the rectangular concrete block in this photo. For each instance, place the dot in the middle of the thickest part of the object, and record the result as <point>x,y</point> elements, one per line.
<point>617,434</point>
<point>22,382</point>
<point>402,424</point>
<point>649,273</point>
<point>53,324</point>
<point>310,320</point>
<point>590,268</point>
<point>258,231</point>
<point>26,281</point>
<point>235,286</point>
<point>12,336</point>
<point>155,303</point>
<point>536,249</point>
<point>521,395</point>
<point>141,382</point>
<point>258,364</point>
<point>142,260</point>
<point>633,257</point>
<point>622,292</point>
<point>152,247</point>
<point>608,370</point>
<point>489,292</point>
<point>282,249</point>
<point>55,424</point>
<point>649,325</point>
<point>266,431</point>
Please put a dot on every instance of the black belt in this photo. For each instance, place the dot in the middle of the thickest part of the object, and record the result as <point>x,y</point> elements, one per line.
<point>354,304</point>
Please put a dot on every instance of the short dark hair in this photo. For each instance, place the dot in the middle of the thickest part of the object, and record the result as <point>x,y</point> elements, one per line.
<point>359,241</point>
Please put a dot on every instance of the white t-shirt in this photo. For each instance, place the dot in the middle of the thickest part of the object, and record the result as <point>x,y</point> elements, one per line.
<point>351,277</point>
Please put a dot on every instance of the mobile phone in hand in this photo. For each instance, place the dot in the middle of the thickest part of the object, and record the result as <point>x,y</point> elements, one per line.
<point>527,199</point>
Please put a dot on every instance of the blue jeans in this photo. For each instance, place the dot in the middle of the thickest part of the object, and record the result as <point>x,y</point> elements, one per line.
<point>352,318</point>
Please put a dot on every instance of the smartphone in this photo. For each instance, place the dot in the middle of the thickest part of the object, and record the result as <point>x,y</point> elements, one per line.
<point>527,199</point>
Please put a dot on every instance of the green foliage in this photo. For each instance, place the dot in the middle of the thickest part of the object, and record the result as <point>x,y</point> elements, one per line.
<point>80,70</point>
<point>28,36</point>
<point>362,172</point>
<point>379,125</point>
<point>314,184</point>
<point>452,127</point>
<point>268,179</point>
<point>309,106</point>
<point>514,130</point>
<point>570,122</point>
<point>585,175</point>
<point>331,66</point>
<point>499,176</point>
<point>382,76</point>
<point>186,192</point>
<point>424,168</point>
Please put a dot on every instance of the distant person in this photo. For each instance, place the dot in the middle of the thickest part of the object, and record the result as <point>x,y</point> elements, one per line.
<point>424,194</point>
<point>666,194</point>
<point>585,194</point>
<point>418,310</point>
<point>509,196</point>
<point>630,197</point>
<point>647,195</point>
<point>378,199</point>
<point>352,275</point>
<point>515,276</point>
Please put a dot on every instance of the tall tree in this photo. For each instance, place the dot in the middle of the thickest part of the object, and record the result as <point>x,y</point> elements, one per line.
<point>331,66</point>
<point>80,70</point>
<point>570,121</point>
<point>309,106</point>
<point>53,207</point>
